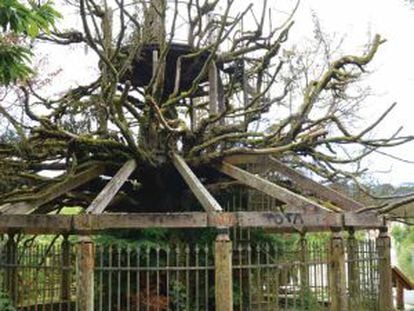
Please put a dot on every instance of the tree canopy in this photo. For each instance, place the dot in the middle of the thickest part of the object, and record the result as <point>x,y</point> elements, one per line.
<point>230,88</point>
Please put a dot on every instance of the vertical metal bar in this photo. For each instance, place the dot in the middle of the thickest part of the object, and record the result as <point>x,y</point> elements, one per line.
<point>187,277</point>
<point>52,275</point>
<point>249,275</point>
<point>167,283</point>
<point>157,250</point>
<point>44,286</point>
<point>197,278</point>
<point>138,278</point>
<point>100,252</point>
<point>259,279</point>
<point>110,269</point>
<point>206,285</point>
<point>177,279</point>
<point>118,290</point>
<point>240,255</point>
<point>268,274</point>
<point>128,279</point>
<point>148,254</point>
<point>36,274</point>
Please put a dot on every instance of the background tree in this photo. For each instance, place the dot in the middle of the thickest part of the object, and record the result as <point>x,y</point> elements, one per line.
<point>229,90</point>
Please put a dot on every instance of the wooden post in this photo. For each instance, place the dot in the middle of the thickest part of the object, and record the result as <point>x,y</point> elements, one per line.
<point>353,271</point>
<point>304,269</point>
<point>385,271</point>
<point>223,271</point>
<point>85,267</point>
<point>337,277</point>
<point>66,281</point>
<point>400,296</point>
<point>11,270</point>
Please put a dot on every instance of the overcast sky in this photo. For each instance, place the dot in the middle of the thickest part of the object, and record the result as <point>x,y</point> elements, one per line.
<point>393,68</point>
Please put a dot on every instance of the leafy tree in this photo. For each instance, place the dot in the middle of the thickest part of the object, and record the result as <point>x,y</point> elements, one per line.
<point>20,23</point>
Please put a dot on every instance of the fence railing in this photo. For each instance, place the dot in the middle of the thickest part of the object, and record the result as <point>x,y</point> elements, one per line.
<point>182,277</point>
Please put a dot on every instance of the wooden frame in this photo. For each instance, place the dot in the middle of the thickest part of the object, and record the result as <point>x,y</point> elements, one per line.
<point>105,197</point>
<point>279,222</point>
<point>208,202</point>
<point>271,189</point>
<point>54,191</point>
<point>301,219</point>
<point>303,182</point>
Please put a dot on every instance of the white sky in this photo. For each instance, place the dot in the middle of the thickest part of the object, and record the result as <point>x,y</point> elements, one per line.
<point>392,79</point>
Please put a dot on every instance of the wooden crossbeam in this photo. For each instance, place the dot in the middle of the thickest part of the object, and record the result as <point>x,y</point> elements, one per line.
<point>277,221</point>
<point>105,197</point>
<point>303,182</point>
<point>307,184</point>
<point>271,189</point>
<point>208,202</point>
<point>54,191</point>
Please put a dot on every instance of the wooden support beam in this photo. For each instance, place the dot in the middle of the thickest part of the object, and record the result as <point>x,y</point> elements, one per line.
<point>11,275</point>
<point>54,191</point>
<point>307,184</point>
<point>271,189</point>
<point>337,276</point>
<point>213,91</point>
<point>223,273</point>
<point>303,182</point>
<point>384,271</point>
<point>89,223</point>
<point>85,269</point>
<point>66,279</point>
<point>208,202</point>
<point>111,189</point>
<point>353,271</point>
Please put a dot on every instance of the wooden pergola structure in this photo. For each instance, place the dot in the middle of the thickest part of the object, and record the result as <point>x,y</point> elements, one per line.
<point>301,215</point>
<point>331,212</point>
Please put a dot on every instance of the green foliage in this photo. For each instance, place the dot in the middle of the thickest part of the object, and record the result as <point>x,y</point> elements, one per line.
<point>29,20</point>
<point>404,238</point>
<point>13,63</point>
<point>5,302</point>
<point>18,22</point>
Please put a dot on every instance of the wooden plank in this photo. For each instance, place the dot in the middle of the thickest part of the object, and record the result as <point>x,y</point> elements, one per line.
<point>54,191</point>
<point>89,223</point>
<point>363,220</point>
<point>303,182</point>
<point>307,184</point>
<point>99,204</point>
<point>208,202</point>
<point>271,189</point>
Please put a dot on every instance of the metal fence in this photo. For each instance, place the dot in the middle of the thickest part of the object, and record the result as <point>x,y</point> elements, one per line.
<point>148,278</point>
